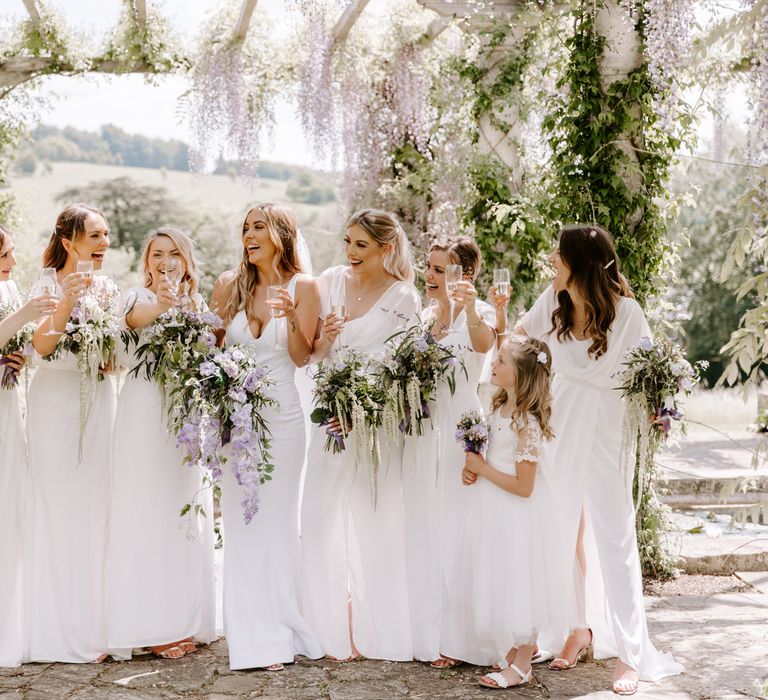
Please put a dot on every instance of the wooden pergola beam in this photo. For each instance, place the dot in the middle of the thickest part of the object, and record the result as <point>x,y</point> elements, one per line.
<point>347,20</point>
<point>436,27</point>
<point>141,12</point>
<point>246,12</point>
<point>32,10</point>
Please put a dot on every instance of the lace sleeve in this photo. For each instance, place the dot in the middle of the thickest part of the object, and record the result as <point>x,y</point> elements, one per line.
<point>528,441</point>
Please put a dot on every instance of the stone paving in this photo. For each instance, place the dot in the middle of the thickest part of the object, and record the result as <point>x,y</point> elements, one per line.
<point>720,633</point>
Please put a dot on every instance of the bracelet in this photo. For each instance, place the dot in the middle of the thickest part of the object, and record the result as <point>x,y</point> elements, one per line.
<point>476,325</point>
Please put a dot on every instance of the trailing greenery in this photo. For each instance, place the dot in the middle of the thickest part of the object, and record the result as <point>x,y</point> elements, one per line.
<point>610,154</point>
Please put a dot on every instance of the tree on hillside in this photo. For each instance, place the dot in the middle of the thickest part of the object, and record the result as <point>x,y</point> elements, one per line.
<point>131,209</point>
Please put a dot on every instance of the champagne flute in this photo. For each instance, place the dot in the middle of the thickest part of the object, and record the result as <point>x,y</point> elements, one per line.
<point>49,285</point>
<point>86,267</point>
<point>173,273</point>
<point>501,283</point>
<point>453,275</point>
<point>273,295</point>
<point>339,308</point>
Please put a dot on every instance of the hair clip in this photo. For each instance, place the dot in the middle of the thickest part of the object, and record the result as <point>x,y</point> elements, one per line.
<point>608,264</point>
<point>542,357</point>
<point>593,233</point>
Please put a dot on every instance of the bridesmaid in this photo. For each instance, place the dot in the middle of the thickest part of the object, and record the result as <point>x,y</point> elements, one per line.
<point>262,617</point>
<point>354,587</point>
<point>435,500</point>
<point>161,579</point>
<point>13,456</point>
<point>590,320</point>
<point>70,496</point>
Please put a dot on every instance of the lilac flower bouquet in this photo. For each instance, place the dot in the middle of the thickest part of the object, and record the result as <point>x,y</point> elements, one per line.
<point>472,432</point>
<point>410,375</point>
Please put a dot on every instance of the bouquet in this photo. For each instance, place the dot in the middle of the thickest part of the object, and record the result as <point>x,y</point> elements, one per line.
<point>656,375</point>
<point>410,375</point>
<point>91,335</point>
<point>21,342</point>
<point>472,432</point>
<point>221,403</point>
<point>346,388</point>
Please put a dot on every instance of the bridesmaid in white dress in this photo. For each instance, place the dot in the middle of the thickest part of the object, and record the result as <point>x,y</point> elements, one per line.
<point>161,573</point>
<point>502,597</point>
<point>13,458</point>
<point>590,320</point>
<point>355,589</point>
<point>262,615</point>
<point>435,501</point>
<point>68,540</point>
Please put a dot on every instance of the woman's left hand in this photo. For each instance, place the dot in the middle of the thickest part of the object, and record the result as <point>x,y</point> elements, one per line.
<point>464,295</point>
<point>283,304</point>
<point>468,477</point>
<point>474,462</point>
<point>16,361</point>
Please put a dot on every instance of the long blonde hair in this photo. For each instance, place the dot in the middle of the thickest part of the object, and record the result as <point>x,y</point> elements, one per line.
<point>384,228</point>
<point>533,393</point>
<point>70,224</point>
<point>185,246</point>
<point>5,237</point>
<point>283,232</point>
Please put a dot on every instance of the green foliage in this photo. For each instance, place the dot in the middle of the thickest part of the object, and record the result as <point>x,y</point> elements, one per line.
<point>132,210</point>
<point>306,188</point>
<point>610,155</point>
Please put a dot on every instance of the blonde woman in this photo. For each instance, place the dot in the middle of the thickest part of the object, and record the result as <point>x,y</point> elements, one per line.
<point>262,617</point>
<point>355,590</point>
<point>161,581</point>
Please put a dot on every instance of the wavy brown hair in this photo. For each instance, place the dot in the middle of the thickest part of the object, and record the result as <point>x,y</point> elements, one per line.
<point>462,251</point>
<point>283,232</point>
<point>533,379</point>
<point>70,224</point>
<point>595,275</point>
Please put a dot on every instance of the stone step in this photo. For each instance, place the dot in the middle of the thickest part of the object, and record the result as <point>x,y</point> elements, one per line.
<point>725,555</point>
<point>703,487</point>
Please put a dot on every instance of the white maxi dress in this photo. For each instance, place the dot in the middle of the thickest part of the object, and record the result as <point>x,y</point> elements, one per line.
<point>263,621</point>
<point>587,418</point>
<point>353,551</point>
<point>161,571</point>
<point>68,536</point>
<point>13,475</point>
<point>436,501</point>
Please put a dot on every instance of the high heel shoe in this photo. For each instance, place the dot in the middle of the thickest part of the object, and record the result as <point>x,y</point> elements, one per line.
<point>561,664</point>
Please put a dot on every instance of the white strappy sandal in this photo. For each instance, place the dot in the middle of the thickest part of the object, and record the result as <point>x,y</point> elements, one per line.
<point>500,682</point>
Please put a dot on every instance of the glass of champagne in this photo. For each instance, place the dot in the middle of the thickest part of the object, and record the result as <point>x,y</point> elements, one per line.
<point>173,273</point>
<point>86,267</point>
<point>501,280</point>
<point>273,295</point>
<point>339,308</point>
<point>49,285</point>
<point>453,275</point>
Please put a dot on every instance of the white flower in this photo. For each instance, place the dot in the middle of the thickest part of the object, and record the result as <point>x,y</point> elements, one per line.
<point>542,357</point>
<point>676,368</point>
<point>669,402</point>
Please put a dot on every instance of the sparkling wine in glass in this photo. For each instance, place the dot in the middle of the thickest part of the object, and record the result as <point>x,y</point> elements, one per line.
<point>49,284</point>
<point>339,308</point>
<point>86,267</point>
<point>453,275</point>
<point>273,295</point>
<point>501,280</point>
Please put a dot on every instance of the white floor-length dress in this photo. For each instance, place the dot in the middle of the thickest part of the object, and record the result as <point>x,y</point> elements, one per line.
<point>263,622</point>
<point>587,417</point>
<point>435,499</point>
<point>13,475</point>
<point>352,550</point>
<point>500,596</point>
<point>68,537</point>
<point>161,572</point>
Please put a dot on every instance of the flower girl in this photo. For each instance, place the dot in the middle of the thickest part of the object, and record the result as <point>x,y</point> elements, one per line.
<point>501,594</point>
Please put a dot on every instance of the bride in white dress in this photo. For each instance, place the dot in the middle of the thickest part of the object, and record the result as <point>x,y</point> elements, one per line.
<point>13,457</point>
<point>262,616</point>
<point>161,573</point>
<point>355,590</point>
<point>435,500</point>
<point>67,543</point>
<point>594,497</point>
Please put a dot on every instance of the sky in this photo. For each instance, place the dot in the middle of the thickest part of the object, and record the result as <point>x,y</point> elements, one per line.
<point>132,104</point>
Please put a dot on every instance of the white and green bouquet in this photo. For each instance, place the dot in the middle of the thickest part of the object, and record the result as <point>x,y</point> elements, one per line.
<point>414,367</point>
<point>21,342</point>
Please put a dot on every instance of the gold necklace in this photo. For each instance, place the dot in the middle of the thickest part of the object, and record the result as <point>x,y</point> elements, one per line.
<point>363,294</point>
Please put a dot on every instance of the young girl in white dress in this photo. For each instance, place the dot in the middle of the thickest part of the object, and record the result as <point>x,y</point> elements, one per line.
<point>590,320</point>
<point>262,615</point>
<point>355,590</point>
<point>435,500</point>
<point>70,488</point>
<point>13,456</point>
<point>161,574</point>
<point>500,597</point>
